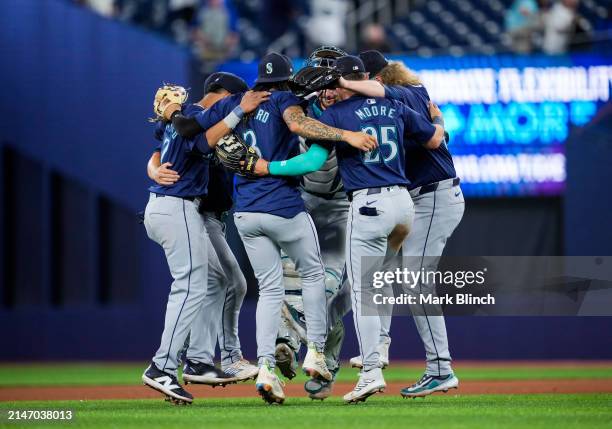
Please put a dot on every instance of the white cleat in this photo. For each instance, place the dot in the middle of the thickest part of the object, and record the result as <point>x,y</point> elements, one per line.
<point>383,353</point>
<point>370,382</point>
<point>269,385</point>
<point>314,364</point>
<point>241,370</point>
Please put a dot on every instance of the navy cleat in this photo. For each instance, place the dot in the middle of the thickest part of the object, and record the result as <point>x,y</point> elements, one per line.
<point>166,384</point>
<point>202,373</point>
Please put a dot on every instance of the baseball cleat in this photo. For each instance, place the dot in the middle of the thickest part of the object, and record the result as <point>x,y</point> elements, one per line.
<point>383,356</point>
<point>241,370</point>
<point>166,384</point>
<point>175,401</point>
<point>269,386</point>
<point>314,364</point>
<point>370,382</point>
<point>202,373</point>
<point>286,360</point>
<point>429,384</point>
<point>318,388</point>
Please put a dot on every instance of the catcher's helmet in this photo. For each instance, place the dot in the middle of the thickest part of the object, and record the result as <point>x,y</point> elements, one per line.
<point>325,56</point>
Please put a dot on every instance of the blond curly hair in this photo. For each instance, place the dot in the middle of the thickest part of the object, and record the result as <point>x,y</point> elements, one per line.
<point>396,73</point>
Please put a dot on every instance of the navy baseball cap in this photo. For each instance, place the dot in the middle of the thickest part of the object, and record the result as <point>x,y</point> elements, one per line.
<point>349,64</point>
<point>228,81</point>
<point>274,68</point>
<point>373,61</point>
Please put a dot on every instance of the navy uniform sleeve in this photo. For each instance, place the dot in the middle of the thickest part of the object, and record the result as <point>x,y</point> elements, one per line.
<point>417,126</point>
<point>397,93</point>
<point>199,144</point>
<point>285,100</point>
<point>217,112</point>
<point>327,118</point>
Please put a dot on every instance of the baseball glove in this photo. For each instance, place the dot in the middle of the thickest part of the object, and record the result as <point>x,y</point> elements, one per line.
<point>236,156</point>
<point>313,79</point>
<point>164,97</point>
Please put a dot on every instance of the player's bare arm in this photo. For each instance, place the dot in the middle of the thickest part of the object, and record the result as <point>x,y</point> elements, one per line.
<point>162,174</point>
<point>369,88</point>
<point>250,101</point>
<point>438,120</point>
<point>310,128</point>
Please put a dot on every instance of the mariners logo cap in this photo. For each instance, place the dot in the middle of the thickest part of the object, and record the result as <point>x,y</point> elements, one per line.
<point>228,81</point>
<point>374,62</point>
<point>350,64</point>
<point>274,68</point>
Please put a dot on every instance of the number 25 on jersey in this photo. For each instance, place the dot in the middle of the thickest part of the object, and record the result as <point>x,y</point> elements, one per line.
<point>387,144</point>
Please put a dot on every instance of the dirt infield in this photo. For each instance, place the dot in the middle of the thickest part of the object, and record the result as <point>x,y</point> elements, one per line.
<point>248,390</point>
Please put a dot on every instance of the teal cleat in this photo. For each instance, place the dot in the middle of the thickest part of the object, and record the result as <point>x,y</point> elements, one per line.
<point>429,384</point>
<point>319,388</point>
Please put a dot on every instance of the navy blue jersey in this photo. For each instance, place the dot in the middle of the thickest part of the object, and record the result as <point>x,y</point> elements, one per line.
<point>186,158</point>
<point>267,132</point>
<point>391,122</point>
<point>220,188</point>
<point>423,166</point>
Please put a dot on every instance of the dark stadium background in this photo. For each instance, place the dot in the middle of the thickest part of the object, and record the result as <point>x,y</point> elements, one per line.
<point>79,279</point>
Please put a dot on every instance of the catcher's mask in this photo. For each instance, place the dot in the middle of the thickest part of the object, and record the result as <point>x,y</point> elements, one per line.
<point>325,56</point>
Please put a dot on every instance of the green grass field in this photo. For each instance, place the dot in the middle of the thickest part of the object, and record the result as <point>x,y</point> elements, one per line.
<point>381,411</point>
<point>474,412</point>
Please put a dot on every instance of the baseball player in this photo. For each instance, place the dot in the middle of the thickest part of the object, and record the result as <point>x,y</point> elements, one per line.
<point>327,204</point>
<point>270,214</point>
<point>376,185</point>
<point>439,206</point>
<point>172,220</point>
<point>228,299</point>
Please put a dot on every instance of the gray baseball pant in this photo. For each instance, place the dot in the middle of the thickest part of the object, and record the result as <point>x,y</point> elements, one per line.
<point>437,214</point>
<point>218,318</point>
<point>176,225</point>
<point>329,215</point>
<point>372,217</point>
<point>264,235</point>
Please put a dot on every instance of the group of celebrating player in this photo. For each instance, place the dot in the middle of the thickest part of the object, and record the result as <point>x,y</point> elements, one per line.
<point>337,183</point>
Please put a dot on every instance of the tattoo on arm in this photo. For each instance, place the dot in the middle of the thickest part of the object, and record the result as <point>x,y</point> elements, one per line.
<point>310,128</point>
